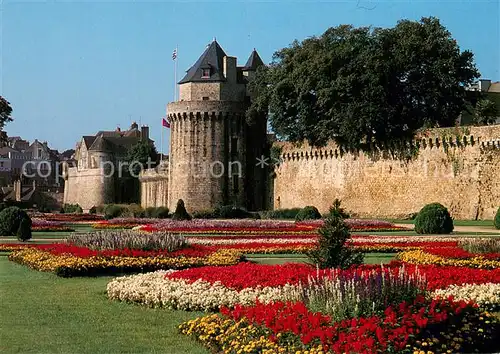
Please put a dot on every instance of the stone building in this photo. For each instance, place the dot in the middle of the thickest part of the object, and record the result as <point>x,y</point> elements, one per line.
<point>99,175</point>
<point>213,150</point>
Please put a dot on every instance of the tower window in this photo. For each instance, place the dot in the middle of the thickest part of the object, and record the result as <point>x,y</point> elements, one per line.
<point>205,98</point>
<point>205,73</point>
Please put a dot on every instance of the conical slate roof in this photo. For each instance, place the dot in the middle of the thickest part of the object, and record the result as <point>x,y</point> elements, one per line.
<point>212,58</point>
<point>253,62</point>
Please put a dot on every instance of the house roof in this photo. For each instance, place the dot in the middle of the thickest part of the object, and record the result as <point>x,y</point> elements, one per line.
<point>211,58</point>
<point>253,62</point>
<point>88,140</point>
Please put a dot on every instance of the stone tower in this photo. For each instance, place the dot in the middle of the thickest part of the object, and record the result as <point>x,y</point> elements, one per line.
<point>212,149</point>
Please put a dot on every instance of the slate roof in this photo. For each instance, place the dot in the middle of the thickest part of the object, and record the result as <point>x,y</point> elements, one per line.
<point>211,58</point>
<point>88,140</point>
<point>253,62</point>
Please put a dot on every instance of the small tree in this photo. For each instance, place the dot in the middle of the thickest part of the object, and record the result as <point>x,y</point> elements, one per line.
<point>10,220</point>
<point>332,250</point>
<point>336,210</point>
<point>181,212</point>
<point>24,231</point>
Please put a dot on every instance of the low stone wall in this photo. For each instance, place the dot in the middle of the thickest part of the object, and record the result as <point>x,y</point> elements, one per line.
<point>154,188</point>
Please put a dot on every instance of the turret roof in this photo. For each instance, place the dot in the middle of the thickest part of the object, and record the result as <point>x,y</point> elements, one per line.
<point>212,58</point>
<point>253,62</point>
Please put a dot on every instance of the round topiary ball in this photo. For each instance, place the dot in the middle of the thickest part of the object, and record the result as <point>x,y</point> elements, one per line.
<point>308,213</point>
<point>433,219</point>
<point>10,219</point>
<point>496,222</point>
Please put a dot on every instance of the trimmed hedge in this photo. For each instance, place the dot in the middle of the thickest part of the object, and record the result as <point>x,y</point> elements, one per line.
<point>285,214</point>
<point>308,213</point>
<point>496,222</point>
<point>433,219</point>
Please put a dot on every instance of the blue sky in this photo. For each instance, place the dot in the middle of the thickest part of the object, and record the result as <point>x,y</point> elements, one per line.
<point>73,68</point>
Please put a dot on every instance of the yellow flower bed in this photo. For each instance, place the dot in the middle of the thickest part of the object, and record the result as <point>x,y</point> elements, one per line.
<point>69,265</point>
<point>222,335</point>
<point>421,257</point>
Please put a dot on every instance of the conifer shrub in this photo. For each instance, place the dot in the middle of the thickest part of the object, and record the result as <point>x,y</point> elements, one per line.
<point>337,210</point>
<point>24,231</point>
<point>10,220</point>
<point>93,210</point>
<point>433,219</point>
<point>181,212</point>
<point>496,222</point>
<point>332,250</point>
<point>308,213</point>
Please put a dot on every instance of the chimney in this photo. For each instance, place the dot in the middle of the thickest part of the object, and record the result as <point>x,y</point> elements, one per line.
<point>145,132</point>
<point>118,129</point>
<point>17,190</point>
<point>229,65</point>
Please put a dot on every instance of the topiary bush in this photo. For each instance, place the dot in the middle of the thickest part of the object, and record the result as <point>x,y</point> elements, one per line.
<point>285,214</point>
<point>113,211</point>
<point>332,250</point>
<point>161,213</point>
<point>496,222</point>
<point>24,231</point>
<point>433,219</point>
<point>308,213</point>
<point>10,220</point>
<point>181,212</point>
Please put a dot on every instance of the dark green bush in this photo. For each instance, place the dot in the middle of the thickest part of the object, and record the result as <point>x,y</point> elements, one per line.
<point>181,212</point>
<point>332,250</point>
<point>308,213</point>
<point>24,231</point>
<point>204,214</point>
<point>161,213</point>
<point>149,212</point>
<point>10,219</point>
<point>93,210</point>
<point>336,210</point>
<point>72,209</point>
<point>231,212</point>
<point>433,219</point>
<point>112,211</point>
<point>285,214</point>
<point>136,211</point>
<point>496,222</point>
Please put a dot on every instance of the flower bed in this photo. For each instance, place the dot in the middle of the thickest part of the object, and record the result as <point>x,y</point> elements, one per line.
<point>436,325</point>
<point>426,257</point>
<point>67,260</point>
<point>49,226</point>
<point>71,218</point>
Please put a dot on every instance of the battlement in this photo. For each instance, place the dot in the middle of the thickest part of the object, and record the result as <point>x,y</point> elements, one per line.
<point>190,108</point>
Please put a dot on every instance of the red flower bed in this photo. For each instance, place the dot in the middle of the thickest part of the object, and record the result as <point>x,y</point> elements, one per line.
<point>83,252</point>
<point>71,217</point>
<point>457,252</point>
<point>394,328</point>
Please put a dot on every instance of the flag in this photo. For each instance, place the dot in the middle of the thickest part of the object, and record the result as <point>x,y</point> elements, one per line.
<point>165,123</point>
<point>174,54</point>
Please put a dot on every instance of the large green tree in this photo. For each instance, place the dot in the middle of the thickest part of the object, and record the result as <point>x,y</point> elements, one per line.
<point>142,155</point>
<point>5,116</point>
<point>358,85</point>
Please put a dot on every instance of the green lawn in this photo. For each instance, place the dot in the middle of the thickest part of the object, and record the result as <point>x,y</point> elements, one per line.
<point>370,258</point>
<point>41,313</point>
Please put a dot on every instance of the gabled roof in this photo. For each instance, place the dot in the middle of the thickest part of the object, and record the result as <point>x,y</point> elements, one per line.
<point>211,58</point>
<point>101,144</point>
<point>88,140</point>
<point>253,62</point>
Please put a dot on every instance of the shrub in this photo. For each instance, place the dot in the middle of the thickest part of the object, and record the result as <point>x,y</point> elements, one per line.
<point>181,212</point>
<point>136,211</point>
<point>231,212</point>
<point>149,212</point>
<point>204,214</point>
<point>433,219</point>
<point>332,250</point>
<point>24,230</point>
<point>72,209</point>
<point>10,220</point>
<point>93,210</point>
<point>308,213</point>
<point>496,222</point>
<point>113,211</point>
<point>286,214</point>
<point>161,213</point>
<point>336,210</point>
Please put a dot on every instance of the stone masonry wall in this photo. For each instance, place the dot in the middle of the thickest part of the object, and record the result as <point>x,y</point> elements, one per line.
<point>154,188</point>
<point>458,167</point>
<point>88,188</point>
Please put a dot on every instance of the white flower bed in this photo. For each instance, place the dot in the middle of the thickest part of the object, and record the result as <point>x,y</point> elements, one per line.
<point>153,289</point>
<point>483,294</point>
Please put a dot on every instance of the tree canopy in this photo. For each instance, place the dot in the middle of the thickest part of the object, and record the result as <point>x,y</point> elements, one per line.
<point>5,116</point>
<point>140,155</point>
<point>356,85</point>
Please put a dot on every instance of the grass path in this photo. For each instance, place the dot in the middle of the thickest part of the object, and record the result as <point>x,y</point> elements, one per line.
<point>41,313</point>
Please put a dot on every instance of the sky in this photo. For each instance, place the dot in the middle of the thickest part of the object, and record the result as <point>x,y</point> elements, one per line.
<point>72,68</point>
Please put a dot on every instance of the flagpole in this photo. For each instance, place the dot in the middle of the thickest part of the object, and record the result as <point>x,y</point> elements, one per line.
<point>175,73</point>
<point>161,143</point>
